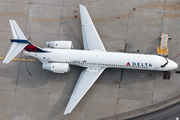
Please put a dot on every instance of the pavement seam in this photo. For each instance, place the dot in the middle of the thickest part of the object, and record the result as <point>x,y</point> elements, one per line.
<point>122,70</point>
<point>13,2</point>
<point>18,72</point>
<point>42,33</point>
<point>162,18</point>
<point>49,93</point>
<point>16,87</point>
<point>45,4</point>
<point>128,20</point>
<point>155,76</point>
<point>61,15</point>
<point>27,16</point>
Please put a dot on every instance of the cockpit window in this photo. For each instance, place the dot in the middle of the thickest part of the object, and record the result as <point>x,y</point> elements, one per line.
<point>165,64</point>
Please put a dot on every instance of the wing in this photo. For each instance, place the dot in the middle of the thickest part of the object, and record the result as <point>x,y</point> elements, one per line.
<point>86,80</point>
<point>91,39</point>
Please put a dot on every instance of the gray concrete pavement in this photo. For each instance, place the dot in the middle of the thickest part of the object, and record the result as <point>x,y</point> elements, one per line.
<point>29,92</point>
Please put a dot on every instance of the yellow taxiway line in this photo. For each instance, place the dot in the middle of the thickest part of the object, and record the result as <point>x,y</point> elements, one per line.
<point>20,59</point>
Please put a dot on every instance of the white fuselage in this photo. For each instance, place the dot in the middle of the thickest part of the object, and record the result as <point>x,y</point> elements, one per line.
<point>98,59</point>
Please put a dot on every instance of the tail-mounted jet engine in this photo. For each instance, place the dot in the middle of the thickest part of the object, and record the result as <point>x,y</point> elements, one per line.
<point>57,67</point>
<point>59,44</point>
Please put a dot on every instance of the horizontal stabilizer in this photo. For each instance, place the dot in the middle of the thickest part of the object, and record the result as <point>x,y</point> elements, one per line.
<point>13,51</point>
<point>18,43</point>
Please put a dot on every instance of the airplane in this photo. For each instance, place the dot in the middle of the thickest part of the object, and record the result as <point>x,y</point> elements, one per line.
<point>57,57</point>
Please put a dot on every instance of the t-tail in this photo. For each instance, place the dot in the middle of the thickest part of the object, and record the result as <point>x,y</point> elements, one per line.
<point>19,43</point>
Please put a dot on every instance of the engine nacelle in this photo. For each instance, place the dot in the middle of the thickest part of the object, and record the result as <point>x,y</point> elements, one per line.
<point>57,67</point>
<point>59,44</point>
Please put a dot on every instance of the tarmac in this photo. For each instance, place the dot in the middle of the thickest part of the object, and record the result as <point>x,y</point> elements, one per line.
<point>27,92</point>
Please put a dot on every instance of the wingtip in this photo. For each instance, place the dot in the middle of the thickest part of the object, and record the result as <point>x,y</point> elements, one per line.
<point>4,62</point>
<point>11,20</point>
<point>68,110</point>
<point>80,5</point>
<point>65,113</point>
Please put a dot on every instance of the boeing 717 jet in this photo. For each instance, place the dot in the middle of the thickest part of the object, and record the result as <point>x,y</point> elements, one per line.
<point>57,57</point>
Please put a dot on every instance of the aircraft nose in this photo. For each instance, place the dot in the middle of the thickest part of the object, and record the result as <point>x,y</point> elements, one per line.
<point>173,64</point>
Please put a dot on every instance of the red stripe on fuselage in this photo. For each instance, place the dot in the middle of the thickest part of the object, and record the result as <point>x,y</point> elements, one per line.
<point>31,48</point>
